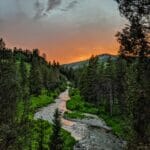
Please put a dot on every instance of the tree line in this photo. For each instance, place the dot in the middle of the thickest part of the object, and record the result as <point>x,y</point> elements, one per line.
<point>22,73</point>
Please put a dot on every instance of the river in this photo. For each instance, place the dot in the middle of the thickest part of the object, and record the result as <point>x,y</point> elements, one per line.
<point>92,133</point>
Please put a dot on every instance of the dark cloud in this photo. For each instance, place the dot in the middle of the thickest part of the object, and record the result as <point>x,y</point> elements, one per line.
<point>37,4</point>
<point>42,10</point>
<point>39,8</point>
<point>52,4</point>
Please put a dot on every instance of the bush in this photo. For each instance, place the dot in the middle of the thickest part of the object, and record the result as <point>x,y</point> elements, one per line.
<point>120,126</point>
<point>73,91</point>
<point>41,101</point>
<point>69,141</point>
<point>35,125</point>
<point>76,103</point>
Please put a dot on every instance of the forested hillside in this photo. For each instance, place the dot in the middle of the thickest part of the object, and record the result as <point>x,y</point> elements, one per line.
<point>27,82</point>
<point>101,58</point>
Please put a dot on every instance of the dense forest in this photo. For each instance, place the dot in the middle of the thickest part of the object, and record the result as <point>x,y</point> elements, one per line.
<point>27,82</point>
<point>117,90</point>
<point>120,88</point>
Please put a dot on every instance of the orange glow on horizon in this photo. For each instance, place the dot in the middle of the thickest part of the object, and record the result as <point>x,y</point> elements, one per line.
<point>88,28</point>
<point>86,56</point>
<point>78,53</point>
<point>81,54</point>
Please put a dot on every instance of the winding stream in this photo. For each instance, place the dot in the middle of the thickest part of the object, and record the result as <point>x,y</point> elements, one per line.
<point>91,133</point>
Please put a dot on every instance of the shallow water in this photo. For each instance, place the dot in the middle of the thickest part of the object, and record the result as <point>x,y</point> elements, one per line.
<point>88,136</point>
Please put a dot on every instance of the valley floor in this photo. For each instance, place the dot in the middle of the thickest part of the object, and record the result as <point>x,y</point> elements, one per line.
<point>92,133</point>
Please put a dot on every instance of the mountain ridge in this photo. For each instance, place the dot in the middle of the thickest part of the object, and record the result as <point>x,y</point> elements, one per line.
<point>102,58</point>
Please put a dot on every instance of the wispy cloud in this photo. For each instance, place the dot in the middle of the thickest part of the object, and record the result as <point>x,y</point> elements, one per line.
<point>39,8</point>
<point>72,4</point>
<point>42,9</point>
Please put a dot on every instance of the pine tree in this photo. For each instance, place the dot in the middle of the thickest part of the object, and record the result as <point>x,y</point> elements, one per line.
<point>121,68</point>
<point>88,81</point>
<point>8,100</point>
<point>56,141</point>
<point>35,77</point>
<point>134,41</point>
<point>24,86</point>
<point>2,44</point>
<point>109,78</point>
<point>23,73</point>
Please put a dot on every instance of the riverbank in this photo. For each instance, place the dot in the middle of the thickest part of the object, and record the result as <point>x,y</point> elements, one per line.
<point>91,133</point>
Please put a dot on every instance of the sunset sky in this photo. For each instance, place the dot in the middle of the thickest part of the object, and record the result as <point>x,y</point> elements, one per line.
<point>66,30</point>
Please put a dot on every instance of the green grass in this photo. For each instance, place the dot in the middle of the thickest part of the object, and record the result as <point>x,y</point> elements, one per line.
<point>35,103</point>
<point>120,125</point>
<point>47,131</point>
<point>41,101</point>
<point>69,141</point>
<point>77,104</point>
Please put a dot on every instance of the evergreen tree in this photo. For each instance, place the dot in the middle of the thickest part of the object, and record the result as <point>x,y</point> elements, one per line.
<point>134,38</point>
<point>2,44</point>
<point>109,77</point>
<point>120,81</point>
<point>23,73</point>
<point>56,141</point>
<point>8,100</point>
<point>24,86</point>
<point>88,81</point>
<point>134,41</point>
<point>35,77</point>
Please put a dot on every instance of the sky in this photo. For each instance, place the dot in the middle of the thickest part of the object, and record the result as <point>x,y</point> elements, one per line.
<point>66,30</point>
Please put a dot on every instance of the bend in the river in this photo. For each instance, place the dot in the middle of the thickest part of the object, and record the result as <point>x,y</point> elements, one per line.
<point>91,133</point>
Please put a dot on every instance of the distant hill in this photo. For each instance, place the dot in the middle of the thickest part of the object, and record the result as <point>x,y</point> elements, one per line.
<point>102,58</point>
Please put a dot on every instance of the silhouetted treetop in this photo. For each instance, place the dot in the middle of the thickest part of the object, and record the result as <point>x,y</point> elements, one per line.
<point>132,8</point>
<point>2,44</point>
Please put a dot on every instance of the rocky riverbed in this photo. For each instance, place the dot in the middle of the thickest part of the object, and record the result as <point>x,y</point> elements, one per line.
<point>92,133</point>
